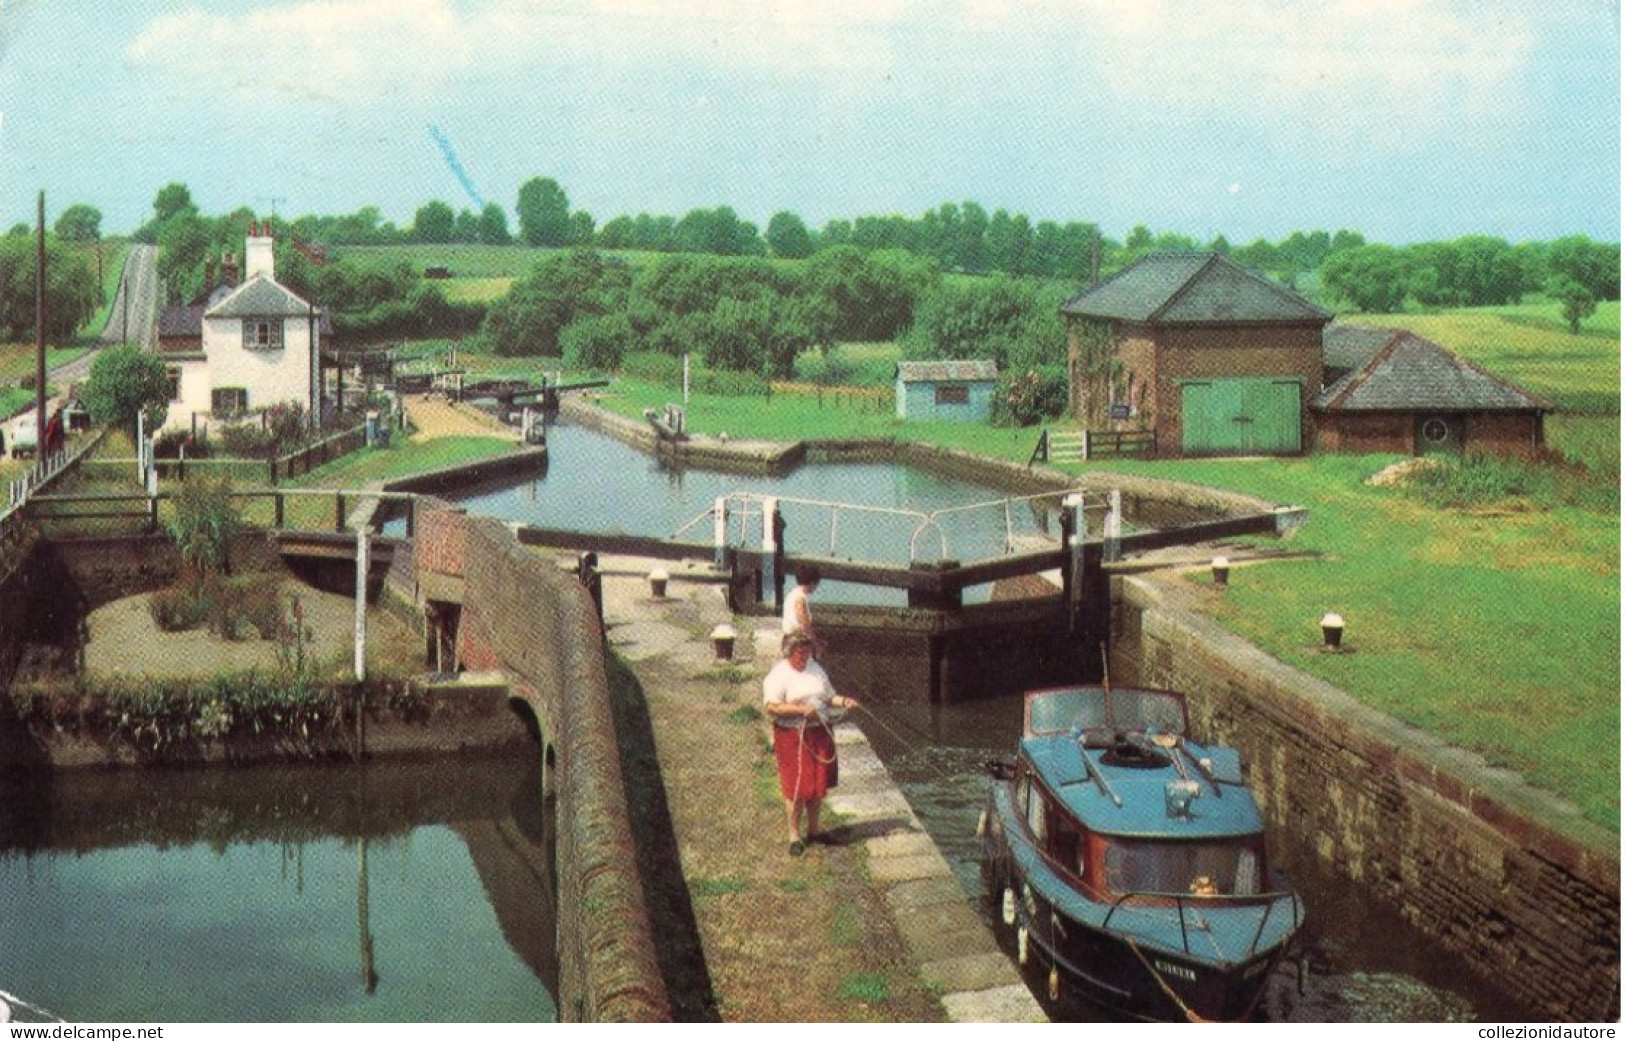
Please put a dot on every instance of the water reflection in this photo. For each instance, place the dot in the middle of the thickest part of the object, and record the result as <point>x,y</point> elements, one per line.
<point>381,892</point>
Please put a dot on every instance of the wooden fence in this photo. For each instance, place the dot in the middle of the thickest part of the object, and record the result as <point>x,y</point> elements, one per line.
<point>1080,446</point>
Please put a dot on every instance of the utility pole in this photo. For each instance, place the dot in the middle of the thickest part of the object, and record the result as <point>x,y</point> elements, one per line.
<point>39,336</point>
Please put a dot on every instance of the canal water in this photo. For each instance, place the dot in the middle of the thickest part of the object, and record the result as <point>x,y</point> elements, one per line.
<point>389,892</point>
<point>596,483</point>
<point>1358,963</point>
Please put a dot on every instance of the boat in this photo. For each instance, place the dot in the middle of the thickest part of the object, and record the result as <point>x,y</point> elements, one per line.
<point>1131,860</point>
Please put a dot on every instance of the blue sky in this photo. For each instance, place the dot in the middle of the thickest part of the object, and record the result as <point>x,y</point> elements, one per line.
<point>1407,120</point>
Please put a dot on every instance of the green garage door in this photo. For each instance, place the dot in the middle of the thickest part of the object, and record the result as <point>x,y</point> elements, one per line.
<point>1242,417</point>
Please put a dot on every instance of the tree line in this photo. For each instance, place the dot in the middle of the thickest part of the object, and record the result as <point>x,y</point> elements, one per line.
<point>1339,268</point>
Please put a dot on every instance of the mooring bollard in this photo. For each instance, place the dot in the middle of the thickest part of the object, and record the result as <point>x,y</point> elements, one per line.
<point>722,642</point>
<point>1331,629</point>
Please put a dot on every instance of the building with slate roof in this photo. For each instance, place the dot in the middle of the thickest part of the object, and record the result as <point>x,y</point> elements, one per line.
<point>1389,390</point>
<point>957,391</point>
<point>1211,358</point>
<point>242,347</point>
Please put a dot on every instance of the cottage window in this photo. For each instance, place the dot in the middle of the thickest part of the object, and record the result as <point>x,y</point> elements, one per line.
<point>172,375</point>
<point>953,394</point>
<point>229,401</point>
<point>262,334</point>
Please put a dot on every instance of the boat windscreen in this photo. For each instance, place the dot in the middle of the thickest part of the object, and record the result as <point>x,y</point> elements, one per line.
<point>1095,708</point>
<point>1058,711</point>
<point>1201,868</point>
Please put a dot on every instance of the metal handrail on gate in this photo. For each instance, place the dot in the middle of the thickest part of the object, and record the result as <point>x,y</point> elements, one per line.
<point>750,505</point>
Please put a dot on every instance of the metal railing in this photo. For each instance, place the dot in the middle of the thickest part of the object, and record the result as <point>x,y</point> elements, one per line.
<point>744,518</point>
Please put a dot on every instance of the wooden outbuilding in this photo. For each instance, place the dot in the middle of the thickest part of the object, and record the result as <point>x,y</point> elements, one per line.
<point>1211,358</point>
<point>957,391</point>
<point>1389,390</point>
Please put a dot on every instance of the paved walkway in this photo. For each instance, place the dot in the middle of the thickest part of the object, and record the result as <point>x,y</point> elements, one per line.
<point>432,416</point>
<point>873,927</point>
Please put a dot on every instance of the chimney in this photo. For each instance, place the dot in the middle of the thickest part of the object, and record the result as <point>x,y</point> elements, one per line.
<point>229,274</point>
<point>258,257</point>
<point>208,274</point>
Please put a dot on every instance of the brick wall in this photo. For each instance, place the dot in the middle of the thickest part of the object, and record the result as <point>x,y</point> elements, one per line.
<point>522,615</point>
<point>1507,877</point>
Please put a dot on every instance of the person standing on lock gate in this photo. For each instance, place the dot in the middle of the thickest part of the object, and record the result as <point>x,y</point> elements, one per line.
<point>798,696</point>
<point>798,605</point>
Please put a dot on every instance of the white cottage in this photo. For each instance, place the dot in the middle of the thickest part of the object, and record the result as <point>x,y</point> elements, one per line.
<point>259,345</point>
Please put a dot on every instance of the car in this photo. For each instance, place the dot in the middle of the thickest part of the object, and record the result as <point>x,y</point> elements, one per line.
<point>25,436</point>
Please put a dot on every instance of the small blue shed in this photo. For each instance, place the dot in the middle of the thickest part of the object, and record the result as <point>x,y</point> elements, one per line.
<point>960,391</point>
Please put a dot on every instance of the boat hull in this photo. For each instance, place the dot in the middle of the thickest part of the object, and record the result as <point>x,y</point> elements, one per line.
<point>1106,967</point>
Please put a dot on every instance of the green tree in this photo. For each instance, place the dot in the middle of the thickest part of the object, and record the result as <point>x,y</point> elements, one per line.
<point>1594,265</point>
<point>124,381</point>
<point>172,200</point>
<point>72,291</point>
<point>1005,320</point>
<point>79,223</point>
<point>787,236</point>
<point>597,342</point>
<point>183,242</point>
<point>1371,278</point>
<point>434,222</point>
<point>558,291</point>
<point>491,227</point>
<point>544,213</point>
<point>1578,303</point>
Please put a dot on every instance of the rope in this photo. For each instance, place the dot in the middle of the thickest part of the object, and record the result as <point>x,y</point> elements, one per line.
<point>1191,1014</point>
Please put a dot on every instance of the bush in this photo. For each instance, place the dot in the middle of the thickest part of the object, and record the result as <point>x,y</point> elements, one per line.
<point>729,383</point>
<point>1030,397</point>
<point>247,441</point>
<point>659,368</point>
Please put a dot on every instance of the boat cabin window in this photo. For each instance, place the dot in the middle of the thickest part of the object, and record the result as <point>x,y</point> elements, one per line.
<point>1205,868</point>
<point>1053,831</point>
<point>1030,799</point>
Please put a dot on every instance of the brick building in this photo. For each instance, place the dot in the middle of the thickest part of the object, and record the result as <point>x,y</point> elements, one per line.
<point>1389,390</point>
<point>1210,357</point>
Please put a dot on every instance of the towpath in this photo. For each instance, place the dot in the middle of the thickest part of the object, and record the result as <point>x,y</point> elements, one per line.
<point>873,927</point>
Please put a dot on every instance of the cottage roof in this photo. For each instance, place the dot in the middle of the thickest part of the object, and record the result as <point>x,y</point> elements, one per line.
<point>260,297</point>
<point>1191,289</point>
<point>187,319</point>
<point>1401,372</point>
<point>946,371</point>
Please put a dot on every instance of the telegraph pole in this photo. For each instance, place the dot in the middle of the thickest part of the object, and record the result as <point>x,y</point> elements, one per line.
<point>39,336</point>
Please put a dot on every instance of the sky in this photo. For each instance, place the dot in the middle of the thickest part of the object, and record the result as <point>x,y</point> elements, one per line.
<point>1404,120</point>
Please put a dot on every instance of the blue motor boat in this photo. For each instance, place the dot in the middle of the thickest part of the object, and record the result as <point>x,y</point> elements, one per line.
<point>1129,860</point>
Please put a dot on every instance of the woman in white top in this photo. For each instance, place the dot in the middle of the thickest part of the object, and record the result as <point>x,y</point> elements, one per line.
<point>798,695</point>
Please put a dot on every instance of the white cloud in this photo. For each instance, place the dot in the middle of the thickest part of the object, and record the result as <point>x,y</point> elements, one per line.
<point>1344,67</point>
<point>333,49</point>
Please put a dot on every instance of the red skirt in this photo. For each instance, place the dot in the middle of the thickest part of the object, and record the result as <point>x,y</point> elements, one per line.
<point>806,758</point>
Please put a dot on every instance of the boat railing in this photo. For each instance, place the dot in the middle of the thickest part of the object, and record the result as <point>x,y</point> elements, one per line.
<point>1191,908</point>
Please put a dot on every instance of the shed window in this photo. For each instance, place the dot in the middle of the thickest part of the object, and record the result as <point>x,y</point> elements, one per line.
<point>953,394</point>
<point>262,334</point>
